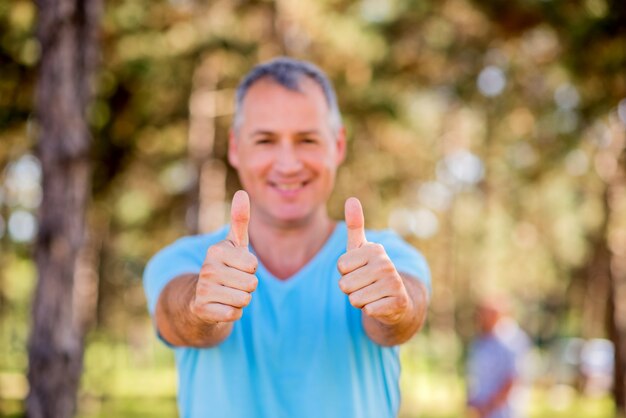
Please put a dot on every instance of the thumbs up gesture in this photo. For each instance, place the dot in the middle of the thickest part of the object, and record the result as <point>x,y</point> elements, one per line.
<point>368,276</point>
<point>226,280</point>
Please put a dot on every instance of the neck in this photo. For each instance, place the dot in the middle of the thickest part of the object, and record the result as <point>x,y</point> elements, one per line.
<point>284,249</point>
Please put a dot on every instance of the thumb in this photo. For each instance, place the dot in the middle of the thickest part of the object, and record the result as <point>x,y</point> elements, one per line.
<point>239,219</point>
<point>355,222</point>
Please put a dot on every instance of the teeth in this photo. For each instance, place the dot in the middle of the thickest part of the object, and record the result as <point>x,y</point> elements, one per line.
<point>289,186</point>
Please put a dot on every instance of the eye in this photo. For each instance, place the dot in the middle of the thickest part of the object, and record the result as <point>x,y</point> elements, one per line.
<point>263,141</point>
<point>308,140</point>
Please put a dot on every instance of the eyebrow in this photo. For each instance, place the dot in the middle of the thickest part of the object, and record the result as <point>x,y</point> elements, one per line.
<point>262,133</point>
<point>311,132</point>
<point>300,133</point>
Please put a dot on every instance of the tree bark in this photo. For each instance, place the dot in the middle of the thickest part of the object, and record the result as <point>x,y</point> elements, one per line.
<point>613,172</point>
<point>207,199</point>
<point>67,31</point>
<point>616,302</point>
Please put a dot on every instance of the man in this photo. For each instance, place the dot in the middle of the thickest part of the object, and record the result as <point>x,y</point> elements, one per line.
<point>494,362</point>
<point>287,313</point>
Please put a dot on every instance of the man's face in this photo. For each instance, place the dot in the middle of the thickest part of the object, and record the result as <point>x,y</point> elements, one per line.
<point>285,151</point>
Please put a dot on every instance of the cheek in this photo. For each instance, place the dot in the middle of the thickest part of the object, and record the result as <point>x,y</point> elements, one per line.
<point>255,164</point>
<point>321,162</point>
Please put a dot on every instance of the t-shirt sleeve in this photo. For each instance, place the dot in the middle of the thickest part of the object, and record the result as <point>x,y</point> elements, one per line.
<point>183,256</point>
<point>405,258</point>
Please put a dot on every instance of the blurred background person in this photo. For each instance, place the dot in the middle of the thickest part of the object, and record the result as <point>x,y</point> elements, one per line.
<point>495,363</point>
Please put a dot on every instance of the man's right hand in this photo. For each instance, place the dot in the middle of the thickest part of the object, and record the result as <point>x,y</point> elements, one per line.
<point>226,280</point>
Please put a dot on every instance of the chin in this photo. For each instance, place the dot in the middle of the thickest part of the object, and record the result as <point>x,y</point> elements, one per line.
<point>292,217</point>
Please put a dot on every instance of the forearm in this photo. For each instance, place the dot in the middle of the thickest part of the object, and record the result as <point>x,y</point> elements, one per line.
<point>176,322</point>
<point>409,324</point>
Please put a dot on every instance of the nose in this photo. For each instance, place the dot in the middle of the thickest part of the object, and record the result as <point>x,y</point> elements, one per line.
<point>287,160</point>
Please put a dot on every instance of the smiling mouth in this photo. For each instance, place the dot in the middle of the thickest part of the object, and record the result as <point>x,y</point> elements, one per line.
<point>288,187</point>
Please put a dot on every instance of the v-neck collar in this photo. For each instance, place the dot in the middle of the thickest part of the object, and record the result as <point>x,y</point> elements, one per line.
<point>332,242</point>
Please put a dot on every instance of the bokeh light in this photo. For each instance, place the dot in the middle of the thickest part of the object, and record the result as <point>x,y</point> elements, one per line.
<point>460,169</point>
<point>421,223</point>
<point>576,163</point>
<point>178,177</point>
<point>22,226</point>
<point>491,81</point>
<point>435,195</point>
<point>23,182</point>
<point>566,97</point>
<point>426,223</point>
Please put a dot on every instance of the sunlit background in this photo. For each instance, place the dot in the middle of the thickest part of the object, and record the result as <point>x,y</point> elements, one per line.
<point>490,135</point>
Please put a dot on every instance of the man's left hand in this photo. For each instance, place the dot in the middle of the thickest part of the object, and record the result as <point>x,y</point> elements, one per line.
<point>369,278</point>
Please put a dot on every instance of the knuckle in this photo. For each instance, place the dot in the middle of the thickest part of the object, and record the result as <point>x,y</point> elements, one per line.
<point>251,284</point>
<point>396,285</point>
<point>203,312</point>
<point>355,300</point>
<point>382,256</point>
<point>342,265</point>
<point>343,285</point>
<point>207,271</point>
<point>380,269</point>
<point>246,299</point>
<point>206,281</point>
<point>378,248</point>
<point>202,291</point>
<point>215,251</point>
<point>234,314</point>
<point>227,313</point>
<point>385,266</point>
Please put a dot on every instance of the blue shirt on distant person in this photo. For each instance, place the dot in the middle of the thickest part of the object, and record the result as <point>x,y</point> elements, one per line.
<point>299,350</point>
<point>491,364</point>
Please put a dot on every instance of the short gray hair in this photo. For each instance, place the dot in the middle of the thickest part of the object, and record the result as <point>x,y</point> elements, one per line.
<point>288,72</point>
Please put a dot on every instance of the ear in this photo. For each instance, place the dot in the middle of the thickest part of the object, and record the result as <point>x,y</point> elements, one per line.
<point>233,156</point>
<point>341,145</point>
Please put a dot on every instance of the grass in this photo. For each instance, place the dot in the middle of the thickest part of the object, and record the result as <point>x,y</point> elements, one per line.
<point>150,393</point>
<point>426,393</point>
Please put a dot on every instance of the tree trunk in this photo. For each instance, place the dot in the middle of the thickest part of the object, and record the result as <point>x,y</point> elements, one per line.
<point>207,198</point>
<point>67,32</point>
<point>617,302</point>
<point>612,165</point>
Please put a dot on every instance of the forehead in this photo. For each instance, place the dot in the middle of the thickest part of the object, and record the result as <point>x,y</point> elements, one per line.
<point>272,105</point>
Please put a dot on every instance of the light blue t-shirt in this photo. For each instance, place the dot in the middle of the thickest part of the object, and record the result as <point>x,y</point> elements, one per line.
<point>299,351</point>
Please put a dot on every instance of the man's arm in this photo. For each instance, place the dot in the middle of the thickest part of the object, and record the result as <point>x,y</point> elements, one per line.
<point>407,325</point>
<point>177,323</point>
